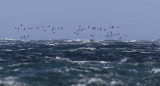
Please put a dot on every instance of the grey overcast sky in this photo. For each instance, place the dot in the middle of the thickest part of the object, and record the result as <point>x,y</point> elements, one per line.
<point>139,19</point>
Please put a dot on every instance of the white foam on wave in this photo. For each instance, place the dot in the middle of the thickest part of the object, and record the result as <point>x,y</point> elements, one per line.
<point>107,67</point>
<point>7,39</point>
<point>18,64</point>
<point>81,48</point>
<point>83,62</point>
<point>155,70</point>
<point>95,69</point>
<point>11,81</point>
<point>92,80</point>
<point>103,62</point>
<point>78,40</point>
<point>17,69</point>
<point>114,82</point>
<point>68,40</point>
<point>89,81</point>
<point>8,50</point>
<point>133,70</point>
<point>51,44</point>
<point>124,59</point>
<point>87,48</point>
<point>130,41</point>
<point>1,68</point>
<point>104,43</point>
<point>66,59</point>
<point>133,41</point>
<point>96,41</point>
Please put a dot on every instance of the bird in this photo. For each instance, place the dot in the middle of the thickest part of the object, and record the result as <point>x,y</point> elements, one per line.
<point>100,28</point>
<point>62,27</point>
<point>120,38</point>
<point>91,35</point>
<point>21,37</point>
<point>77,33</point>
<point>112,26</point>
<point>94,28</point>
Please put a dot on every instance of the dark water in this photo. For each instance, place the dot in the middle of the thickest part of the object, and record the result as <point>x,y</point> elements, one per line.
<point>79,63</point>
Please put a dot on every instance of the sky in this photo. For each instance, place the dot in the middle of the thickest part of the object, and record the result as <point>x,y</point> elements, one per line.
<point>138,19</point>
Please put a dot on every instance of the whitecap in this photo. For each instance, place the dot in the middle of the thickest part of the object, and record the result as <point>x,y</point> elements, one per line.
<point>11,81</point>
<point>103,62</point>
<point>66,59</point>
<point>68,40</point>
<point>86,41</point>
<point>116,82</point>
<point>81,62</point>
<point>87,48</point>
<point>156,70</point>
<point>124,59</point>
<point>107,67</point>
<point>96,41</point>
<point>89,81</point>
<point>7,50</point>
<point>1,68</point>
<point>92,80</point>
<point>133,41</point>
<point>78,40</point>
<point>16,69</point>
<point>95,69</point>
<point>18,64</point>
<point>104,43</point>
<point>133,70</point>
<point>51,44</point>
<point>8,39</point>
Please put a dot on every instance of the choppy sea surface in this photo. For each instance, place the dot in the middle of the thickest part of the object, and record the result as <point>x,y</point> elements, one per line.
<point>79,63</point>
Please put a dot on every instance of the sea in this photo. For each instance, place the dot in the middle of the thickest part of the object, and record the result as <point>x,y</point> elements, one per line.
<point>79,62</point>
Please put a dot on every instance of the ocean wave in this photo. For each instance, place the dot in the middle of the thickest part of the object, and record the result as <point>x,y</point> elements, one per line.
<point>91,81</point>
<point>78,40</point>
<point>7,39</point>
<point>11,81</point>
<point>155,70</point>
<point>8,50</point>
<point>1,68</point>
<point>85,48</point>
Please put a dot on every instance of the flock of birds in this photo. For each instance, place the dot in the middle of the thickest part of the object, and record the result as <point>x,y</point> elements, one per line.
<point>105,33</point>
<point>43,28</point>
<point>92,31</point>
